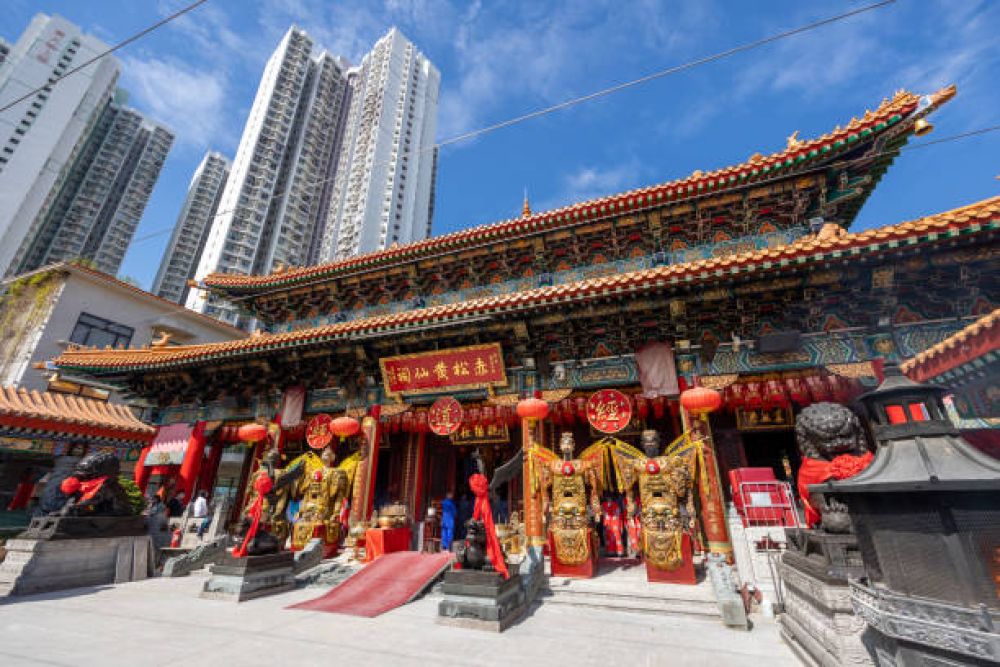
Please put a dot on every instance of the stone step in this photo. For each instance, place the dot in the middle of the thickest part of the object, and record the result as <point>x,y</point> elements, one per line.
<point>643,604</point>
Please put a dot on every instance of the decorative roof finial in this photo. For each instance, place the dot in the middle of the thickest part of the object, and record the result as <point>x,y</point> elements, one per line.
<point>526,209</point>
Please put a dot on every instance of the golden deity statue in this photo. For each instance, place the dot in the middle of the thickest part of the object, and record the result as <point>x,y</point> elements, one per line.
<point>666,501</point>
<point>570,519</point>
<point>322,490</point>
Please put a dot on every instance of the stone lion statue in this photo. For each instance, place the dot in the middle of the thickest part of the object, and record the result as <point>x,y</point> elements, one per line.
<point>92,489</point>
<point>833,446</point>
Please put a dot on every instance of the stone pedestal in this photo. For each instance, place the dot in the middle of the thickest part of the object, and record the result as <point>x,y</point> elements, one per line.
<point>819,622</point>
<point>908,630</point>
<point>481,600</point>
<point>39,565</point>
<point>240,579</point>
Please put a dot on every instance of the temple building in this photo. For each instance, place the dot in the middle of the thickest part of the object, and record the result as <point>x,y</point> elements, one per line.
<point>745,279</point>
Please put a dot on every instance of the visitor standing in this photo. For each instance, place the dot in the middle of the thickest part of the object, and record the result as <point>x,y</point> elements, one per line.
<point>200,511</point>
<point>448,512</point>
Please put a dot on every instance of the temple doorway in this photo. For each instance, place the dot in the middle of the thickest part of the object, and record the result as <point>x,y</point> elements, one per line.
<point>776,450</point>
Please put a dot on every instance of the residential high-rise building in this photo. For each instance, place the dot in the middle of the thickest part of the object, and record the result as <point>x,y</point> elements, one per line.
<point>195,220</point>
<point>97,209</point>
<point>383,193</point>
<point>42,137</point>
<point>276,196</point>
<point>77,166</point>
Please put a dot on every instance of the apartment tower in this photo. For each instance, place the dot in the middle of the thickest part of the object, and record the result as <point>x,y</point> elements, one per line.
<point>180,260</point>
<point>273,201</point>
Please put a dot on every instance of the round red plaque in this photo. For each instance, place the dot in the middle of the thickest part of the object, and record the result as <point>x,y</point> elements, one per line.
<point>318,433</point>
<point>445,416</point>
<point>609,410</point>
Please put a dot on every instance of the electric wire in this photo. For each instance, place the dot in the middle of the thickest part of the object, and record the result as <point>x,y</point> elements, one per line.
<point>674,69</point>
<point>103,54</point>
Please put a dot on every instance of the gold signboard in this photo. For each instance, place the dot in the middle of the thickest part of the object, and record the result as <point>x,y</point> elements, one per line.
<point>489,434</point>
<point>439,371</point>
<point>764,419</point>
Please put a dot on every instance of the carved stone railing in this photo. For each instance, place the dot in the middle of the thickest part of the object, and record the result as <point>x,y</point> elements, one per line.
<point>974,632</point>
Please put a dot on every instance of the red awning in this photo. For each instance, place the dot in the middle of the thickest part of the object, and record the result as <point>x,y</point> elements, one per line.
<point>169,445</point>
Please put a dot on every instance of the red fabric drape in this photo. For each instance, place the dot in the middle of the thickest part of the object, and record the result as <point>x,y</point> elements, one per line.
<point>482,512</point>
<point>262,485</point>
<point>86,488</point>
<point>815,471</point>
<point>23,492</point>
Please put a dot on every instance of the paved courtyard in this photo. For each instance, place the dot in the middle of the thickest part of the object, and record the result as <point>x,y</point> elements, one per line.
<point>163,622</point>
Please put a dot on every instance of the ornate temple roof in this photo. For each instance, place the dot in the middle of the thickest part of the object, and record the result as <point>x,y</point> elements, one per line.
<point>798,154</point>
<point>974,341</point>
<point>66,415</point>
<point>828,245</point>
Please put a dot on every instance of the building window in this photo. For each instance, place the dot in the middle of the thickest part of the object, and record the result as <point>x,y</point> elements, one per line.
<point>97,331</point>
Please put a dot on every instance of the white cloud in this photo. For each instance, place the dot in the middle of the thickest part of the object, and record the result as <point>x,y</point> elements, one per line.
<point>190,102</point>
<point>590,182</point>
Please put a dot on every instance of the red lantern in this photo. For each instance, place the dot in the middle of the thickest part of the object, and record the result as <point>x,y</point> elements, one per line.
<point>774,394</point>
<point>819,389</point>
<point>735,395</point>
<point>423,425</point>
<point>641,407</point>
<point>797,390</point>
<point>753,397</point>
<point>345,427</point>
<point>252,432</point>
<point>488,415</point>
<point>581,407</point>
<point>473,416</point>
<point>394,424</point>
<point>534,408</point>
<point>408,420</point>
<point>701,400</point>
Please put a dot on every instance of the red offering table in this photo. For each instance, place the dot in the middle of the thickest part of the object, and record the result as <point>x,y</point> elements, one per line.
<point>682,575</point>
<point>380,541</point>
<point>585,570</point>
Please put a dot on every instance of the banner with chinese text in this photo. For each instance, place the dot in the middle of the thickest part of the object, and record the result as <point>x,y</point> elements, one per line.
<point>472,367</point>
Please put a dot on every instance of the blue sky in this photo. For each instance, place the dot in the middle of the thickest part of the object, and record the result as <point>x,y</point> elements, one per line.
<point>497,60</point>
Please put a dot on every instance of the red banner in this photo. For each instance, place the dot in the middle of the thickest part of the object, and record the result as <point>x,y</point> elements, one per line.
<point>473,367</point>
<point>445,416</point>
<point>609,410</point>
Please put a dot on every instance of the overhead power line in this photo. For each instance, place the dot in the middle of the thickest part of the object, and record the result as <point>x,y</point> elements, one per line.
<point>103,54</point>
<point>674,69</point>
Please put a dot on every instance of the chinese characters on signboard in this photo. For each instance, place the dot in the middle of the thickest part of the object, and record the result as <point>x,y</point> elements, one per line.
<point>473,367</point>
<point>609,410</point>
<point>481,434</point>
<point>764,419</point>
<point>445,416</point>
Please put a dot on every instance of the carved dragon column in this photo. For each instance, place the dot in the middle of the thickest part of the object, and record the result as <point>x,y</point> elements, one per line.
<point>713,513</point>
<point>534,530</point>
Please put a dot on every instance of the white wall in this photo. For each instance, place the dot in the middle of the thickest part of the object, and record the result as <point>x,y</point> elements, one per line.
<point>82,294</point>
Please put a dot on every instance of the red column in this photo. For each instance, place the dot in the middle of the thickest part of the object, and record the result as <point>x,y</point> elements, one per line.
<point>141,470</point>
<point>206,480</point>
<point>191,464</point>
<point>421,459</point>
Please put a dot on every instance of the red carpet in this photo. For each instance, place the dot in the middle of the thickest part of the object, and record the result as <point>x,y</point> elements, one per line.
<point>384,584</point>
